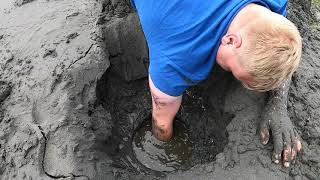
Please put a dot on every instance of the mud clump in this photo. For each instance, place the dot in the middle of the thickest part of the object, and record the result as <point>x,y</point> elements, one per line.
<point>21,2</point>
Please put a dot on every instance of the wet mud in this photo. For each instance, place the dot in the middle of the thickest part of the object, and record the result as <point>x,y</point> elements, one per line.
<point>74,98</point>
<point>158,155</point>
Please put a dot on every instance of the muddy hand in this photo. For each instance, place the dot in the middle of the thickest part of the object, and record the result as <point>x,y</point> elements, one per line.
<point>286,140</point>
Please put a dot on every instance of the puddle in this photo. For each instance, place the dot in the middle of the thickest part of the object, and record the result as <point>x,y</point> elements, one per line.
<point>162,156</point>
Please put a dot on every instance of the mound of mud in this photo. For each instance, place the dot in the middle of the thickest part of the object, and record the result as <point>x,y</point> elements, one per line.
<point>73,93</point>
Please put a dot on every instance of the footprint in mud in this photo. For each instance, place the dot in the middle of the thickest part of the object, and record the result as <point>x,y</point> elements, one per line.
<point>162,156</point>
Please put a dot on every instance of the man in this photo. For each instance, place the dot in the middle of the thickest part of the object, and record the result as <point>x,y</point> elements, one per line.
<point>250,38</point>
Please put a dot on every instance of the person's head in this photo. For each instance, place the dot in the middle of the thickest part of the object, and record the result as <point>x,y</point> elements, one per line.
<point>262,53</point>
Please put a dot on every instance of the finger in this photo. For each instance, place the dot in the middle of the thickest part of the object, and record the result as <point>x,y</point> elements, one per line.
<point>264,132</point>
<point>287,155</point>
<point>287,149</point>
<point>298,142</point>
<point>293,155</point>
<point>278,147</point>
<point>299,146</point>
<point>294,146</point>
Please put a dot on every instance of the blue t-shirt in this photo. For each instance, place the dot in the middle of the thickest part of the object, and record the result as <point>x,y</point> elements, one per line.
<point>183,37</point>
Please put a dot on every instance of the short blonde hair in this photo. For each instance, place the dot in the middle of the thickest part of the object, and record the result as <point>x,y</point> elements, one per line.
<point>272,51</point>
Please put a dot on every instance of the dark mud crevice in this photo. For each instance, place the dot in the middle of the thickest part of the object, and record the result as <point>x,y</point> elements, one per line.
<point>5,90</point>
<point>44,156</point>
<point>43,149</point>
<point>206,118</point>
<point>81,57</point>
<point>129,105</point>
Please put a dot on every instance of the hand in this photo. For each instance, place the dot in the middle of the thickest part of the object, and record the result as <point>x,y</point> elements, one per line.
<point>286,140</point>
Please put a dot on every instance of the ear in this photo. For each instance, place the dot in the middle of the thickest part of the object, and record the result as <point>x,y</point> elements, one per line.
<point>233,39</point>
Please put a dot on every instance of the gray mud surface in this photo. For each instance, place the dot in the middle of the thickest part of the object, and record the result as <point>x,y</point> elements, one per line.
<point>73,90</point>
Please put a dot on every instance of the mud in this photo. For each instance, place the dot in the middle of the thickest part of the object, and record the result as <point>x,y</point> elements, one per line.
<point>73,90</point>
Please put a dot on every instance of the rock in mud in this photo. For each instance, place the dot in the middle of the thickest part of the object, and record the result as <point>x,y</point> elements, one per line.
<point>50,52</point>
<point>71,36</point>
<point>7,56</point>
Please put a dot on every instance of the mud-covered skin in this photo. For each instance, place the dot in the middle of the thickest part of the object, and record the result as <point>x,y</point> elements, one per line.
<point>275,118</point>
<point>162,156</point>
<point>158,129</point>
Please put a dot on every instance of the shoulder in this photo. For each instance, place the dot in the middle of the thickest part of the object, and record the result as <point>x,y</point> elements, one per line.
<point>277,6</point>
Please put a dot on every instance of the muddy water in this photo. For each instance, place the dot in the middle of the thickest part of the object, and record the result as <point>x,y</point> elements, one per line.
<point>162,156</point>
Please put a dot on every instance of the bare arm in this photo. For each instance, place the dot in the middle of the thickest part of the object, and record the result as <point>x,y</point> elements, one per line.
<point>164,109</point>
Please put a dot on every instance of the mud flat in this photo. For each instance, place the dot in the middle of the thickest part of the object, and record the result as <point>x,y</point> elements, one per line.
<point>73,90</point>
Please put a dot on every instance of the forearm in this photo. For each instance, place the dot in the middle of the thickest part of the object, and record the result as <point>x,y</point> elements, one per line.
<point>164,109</point>
<point>278,98</point>
<point>163,114</point>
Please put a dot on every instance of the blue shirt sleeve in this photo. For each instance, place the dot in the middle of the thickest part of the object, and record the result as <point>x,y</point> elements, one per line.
<point>166,78</point>
<point>132,4</point>
<point>278,6</point>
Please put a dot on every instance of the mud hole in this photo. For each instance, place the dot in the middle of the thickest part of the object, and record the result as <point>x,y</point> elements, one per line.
<point>129,105</point>
<point>73,91</point>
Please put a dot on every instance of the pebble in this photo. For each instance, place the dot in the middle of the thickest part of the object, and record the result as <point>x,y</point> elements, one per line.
<point>72,15</point>
<point>71,36</point>
<point>286,164</point>
<point>121,146</point>
<point>50,52</point>
<point>80,106</point>
<point>8,57</point>
<point>209,168</point>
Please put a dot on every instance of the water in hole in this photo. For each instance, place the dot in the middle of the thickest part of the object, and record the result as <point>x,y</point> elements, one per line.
<point>162,156</point>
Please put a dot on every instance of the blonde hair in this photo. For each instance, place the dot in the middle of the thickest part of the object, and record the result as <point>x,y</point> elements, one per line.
<point>272,51</point>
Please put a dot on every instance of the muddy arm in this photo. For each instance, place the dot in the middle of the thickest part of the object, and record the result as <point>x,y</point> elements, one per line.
<point>275,119</point>
<point>278,98</point>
